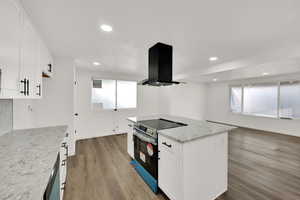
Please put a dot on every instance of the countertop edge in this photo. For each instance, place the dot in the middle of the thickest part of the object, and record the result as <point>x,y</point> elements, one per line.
<point>194,138</point>
<point>161,132</point>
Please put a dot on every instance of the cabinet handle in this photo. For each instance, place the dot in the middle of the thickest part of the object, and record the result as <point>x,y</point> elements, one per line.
<point>63,162</point>
<point>24,86</point>
<point>63,186</point>
<point>67,149</point>
<point>39,93</point>
<point>27,85</point>
<point>64,144</point>
<point>168,145</point>
<point>50,67</point>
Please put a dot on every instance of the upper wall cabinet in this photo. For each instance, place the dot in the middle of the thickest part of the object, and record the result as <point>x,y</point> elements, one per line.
<point>29,59</point>
<point>24,58</point>
<point>10,41</point>
<point>46,61</point>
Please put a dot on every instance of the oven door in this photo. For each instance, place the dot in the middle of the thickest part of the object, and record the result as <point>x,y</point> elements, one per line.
<point>52,191</point>
<point>146,153</point>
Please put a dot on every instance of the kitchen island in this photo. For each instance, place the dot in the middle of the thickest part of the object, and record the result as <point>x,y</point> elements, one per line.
<point>192,159</point>
<point>26,161</point>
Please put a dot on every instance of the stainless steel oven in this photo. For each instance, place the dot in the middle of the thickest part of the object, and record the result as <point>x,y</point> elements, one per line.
<point>146,151</point>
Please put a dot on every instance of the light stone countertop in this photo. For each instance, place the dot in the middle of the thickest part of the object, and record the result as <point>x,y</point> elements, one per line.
<point>26,161</point>
<point>195,129</point>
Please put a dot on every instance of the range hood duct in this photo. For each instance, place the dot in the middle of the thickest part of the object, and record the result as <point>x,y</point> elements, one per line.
<point>160,66</point>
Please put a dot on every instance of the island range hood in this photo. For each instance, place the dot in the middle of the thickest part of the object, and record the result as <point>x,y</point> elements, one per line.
<point>160,66</point>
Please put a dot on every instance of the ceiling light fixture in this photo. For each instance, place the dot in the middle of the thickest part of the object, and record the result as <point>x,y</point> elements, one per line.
<point>96,63</point>
<point>265,74</point>
<point>214,80</point>
<point>214,58</point>
<point>106,28</point>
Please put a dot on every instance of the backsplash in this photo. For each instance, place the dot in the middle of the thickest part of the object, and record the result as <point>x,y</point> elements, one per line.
<point>6,116</point>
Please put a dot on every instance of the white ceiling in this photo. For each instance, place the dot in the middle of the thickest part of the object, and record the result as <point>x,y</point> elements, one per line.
<point>249,36</point>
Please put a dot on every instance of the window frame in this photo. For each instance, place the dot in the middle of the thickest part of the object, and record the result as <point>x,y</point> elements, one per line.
<point>116,95</point>
<point>278,85</point>
<point>279,105</point>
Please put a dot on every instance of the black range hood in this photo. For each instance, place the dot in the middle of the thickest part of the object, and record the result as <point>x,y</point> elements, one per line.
<point>160,66</point>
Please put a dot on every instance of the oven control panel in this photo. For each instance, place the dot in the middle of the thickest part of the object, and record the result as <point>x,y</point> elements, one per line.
<point>147,130</point>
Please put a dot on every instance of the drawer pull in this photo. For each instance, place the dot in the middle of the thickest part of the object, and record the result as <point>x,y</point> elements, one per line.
<point>63,162</point>
<point>168,145</point>
<point>63,186</point>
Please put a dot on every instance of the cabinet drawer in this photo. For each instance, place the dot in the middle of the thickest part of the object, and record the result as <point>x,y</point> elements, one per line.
<point>166,144</point>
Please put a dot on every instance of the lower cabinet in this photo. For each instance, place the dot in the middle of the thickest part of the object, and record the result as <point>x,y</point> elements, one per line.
<point>193,170</point>
<point>63,165</point>
<point>130,144</point>
<point>170,168</point>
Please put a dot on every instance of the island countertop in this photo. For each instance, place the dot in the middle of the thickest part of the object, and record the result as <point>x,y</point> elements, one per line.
<point>26,160</point>
<point>195,129</point>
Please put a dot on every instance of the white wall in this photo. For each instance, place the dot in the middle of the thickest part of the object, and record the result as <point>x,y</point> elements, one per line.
<point>56,106</point>
<point>185,100</point>
<point>23,114</point>
<point>95,123</point>
<point>218,110</point>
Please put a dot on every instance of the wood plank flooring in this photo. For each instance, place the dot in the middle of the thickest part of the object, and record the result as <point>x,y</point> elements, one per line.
<point>262,166</point>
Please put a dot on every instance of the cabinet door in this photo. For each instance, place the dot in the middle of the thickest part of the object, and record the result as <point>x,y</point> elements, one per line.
<point>47,61</point>
<point>39,72</point>
<point>29,55</point>
<point>130,144</point>
<point>170,168</point>
<point>10,36</point>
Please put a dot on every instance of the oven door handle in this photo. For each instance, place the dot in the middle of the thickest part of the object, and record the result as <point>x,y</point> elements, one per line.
<point>145,138</point>
<point>139,130</point>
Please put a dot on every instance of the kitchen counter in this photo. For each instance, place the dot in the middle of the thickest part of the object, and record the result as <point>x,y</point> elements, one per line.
<point>26,161</point>
<point>195,129</point>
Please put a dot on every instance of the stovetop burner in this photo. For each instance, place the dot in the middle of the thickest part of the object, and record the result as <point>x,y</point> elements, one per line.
<point>160,124</point>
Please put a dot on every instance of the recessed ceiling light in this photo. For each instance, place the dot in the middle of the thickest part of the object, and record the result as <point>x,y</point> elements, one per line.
<point>106,28</point>
<point>96,63</point>
<point>215,79</point>
<point>265,74</point>
<point>214,58</point>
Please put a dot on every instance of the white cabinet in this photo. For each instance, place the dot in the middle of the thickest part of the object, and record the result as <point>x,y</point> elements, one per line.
<point>63,164</point>
<point>46,61</point>
<point>130,143</point>
<point>23,55</point>
<point>10,38</point>
<point>170,168</point>
<point>29,58</point>
<point>193,170</point>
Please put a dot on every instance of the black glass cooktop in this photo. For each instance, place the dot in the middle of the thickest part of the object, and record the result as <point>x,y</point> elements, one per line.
<point>160,124</point>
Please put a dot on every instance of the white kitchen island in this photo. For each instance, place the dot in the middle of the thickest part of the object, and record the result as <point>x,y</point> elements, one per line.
<point>193,159</point>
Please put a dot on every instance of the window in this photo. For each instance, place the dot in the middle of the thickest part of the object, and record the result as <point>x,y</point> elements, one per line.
<point>126,94</point>
<point>261,100</point>
<point>236,99</point>
<point>290,100</point>
<point>278,100</point>
<point>114,94</point>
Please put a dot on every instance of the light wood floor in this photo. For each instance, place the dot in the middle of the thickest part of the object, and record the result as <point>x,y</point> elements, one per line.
<point>262,166</point>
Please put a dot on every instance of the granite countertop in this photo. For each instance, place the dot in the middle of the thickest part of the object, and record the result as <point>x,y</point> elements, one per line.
<point>195,129</point>
<point>26,161</point>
